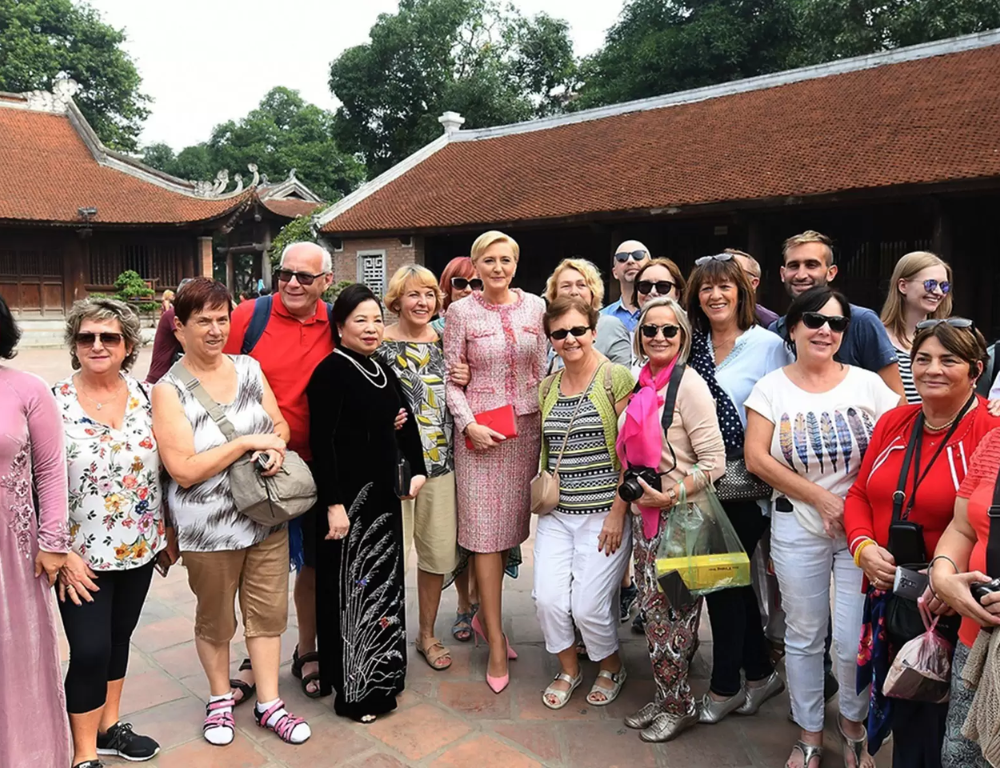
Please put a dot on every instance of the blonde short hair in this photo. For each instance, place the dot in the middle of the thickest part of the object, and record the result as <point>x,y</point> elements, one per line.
<point>908,267</point>
<point>809,236</point>
<point>406,273</point>
<point>104,311</point>
<point>682,321</point>
<point>487,239</point>
<point>591,276</point>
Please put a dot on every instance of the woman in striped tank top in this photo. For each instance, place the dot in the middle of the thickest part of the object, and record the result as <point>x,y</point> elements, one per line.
<point>582,547</point>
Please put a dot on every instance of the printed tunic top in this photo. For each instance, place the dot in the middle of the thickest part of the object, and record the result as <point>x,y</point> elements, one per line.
<point>115,517</point>
<point>420,367</point>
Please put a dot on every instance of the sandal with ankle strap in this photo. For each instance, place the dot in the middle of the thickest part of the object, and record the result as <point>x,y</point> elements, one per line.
<point>809,751</point>
<point>246,689</point>
<point>610,694</point>
<point>283,726</point>
<point>313,677</point>
<point>561,697</point>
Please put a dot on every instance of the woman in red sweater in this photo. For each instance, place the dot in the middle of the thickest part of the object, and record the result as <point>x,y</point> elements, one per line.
<point>947,360</point>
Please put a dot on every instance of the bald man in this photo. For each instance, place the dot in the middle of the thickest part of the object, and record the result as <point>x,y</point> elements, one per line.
<point>629,258</point>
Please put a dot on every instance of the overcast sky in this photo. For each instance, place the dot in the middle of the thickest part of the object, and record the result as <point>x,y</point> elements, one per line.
<point>208,61</point>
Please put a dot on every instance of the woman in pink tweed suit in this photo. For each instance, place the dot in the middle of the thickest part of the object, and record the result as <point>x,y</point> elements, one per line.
<point>499,334</point>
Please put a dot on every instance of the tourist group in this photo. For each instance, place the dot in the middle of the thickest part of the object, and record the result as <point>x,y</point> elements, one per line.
<point>861,450</point>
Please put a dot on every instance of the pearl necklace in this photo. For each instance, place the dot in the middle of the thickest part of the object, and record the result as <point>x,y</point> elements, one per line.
<point>372,378</point>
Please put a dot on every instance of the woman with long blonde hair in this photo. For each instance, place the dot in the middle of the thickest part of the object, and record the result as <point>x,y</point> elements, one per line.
<point>919,289</point>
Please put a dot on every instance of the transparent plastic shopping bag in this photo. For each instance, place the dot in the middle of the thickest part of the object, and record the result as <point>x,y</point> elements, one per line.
<point>921,670</point>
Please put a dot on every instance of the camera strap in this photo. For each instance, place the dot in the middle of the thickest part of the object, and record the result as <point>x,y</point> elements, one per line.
<point>993,542</point>
<point>912,456</point>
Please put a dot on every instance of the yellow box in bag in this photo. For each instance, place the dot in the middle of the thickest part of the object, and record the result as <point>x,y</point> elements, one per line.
<point>708,572</point>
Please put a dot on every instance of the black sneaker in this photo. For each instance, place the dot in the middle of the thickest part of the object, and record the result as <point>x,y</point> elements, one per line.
<point>90,764</point>
<point>626,599</point>
<point>639,624</point>
<point>122,741</point>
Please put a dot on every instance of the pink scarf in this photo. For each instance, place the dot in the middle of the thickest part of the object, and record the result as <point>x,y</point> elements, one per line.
<point>640,439</point>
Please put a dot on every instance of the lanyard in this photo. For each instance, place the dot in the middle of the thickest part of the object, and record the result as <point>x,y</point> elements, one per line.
<point>912,455</point>
<point>993,542</point>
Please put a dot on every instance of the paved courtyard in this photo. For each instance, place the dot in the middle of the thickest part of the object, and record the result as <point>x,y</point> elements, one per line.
<point>445,719</point>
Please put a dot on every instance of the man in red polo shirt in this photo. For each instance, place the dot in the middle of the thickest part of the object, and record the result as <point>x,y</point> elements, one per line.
<point>296,337</point>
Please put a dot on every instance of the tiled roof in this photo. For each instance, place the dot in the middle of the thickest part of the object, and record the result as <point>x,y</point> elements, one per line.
<point>887,122</point>
<point>290,208</point>
<point>47,172</point>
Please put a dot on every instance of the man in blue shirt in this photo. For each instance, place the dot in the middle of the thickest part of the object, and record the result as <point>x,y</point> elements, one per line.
<point>629,258</point>
<point>809,262</point>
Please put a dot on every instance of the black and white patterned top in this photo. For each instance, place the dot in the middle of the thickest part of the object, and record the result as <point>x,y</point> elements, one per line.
<point>205,514</point>
<point>906,374</point>
<point>587,477</point>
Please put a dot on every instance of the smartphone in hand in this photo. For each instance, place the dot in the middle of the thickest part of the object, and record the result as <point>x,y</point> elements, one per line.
<point>161,565</point>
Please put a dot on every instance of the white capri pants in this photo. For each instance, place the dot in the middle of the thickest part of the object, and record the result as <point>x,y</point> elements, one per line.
<point>803,562</point>
<point>575,583</point>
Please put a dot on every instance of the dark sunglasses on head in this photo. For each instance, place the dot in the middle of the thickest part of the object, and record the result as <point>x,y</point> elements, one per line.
<point>624,256</point>
<point>663,287</point>
<point>931,285</point>
<point>107,339</point>
<point>815,320</point>
<point>715,257</point>
<point>954,322</point>
<point>304,278</point>
<point>562,333</point>
<point>669,331</point>
<point>462,283</point>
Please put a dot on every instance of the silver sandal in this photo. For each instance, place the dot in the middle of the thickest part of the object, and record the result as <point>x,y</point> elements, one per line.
<point>561,697</point>
<point>809,751</point>
<point>610,694</point>
<point>856,747</point>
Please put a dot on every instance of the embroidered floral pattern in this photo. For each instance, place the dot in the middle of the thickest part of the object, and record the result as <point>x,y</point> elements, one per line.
<point>18,485</point>
<point>114,483</point>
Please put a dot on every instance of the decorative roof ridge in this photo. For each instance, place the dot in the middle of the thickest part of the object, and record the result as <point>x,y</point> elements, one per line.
<point>279,190</point>
<point>371,187</point>
<point>762,82</point>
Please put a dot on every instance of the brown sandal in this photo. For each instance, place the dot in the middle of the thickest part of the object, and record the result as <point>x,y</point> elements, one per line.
<point>434,653</point>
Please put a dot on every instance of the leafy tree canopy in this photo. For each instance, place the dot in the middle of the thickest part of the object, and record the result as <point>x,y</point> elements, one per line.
<point>477,57</point>
<point>282,133</point>
<point>42,40</point>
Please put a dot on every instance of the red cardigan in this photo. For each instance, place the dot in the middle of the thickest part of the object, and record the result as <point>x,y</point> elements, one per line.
<point>868,507</point>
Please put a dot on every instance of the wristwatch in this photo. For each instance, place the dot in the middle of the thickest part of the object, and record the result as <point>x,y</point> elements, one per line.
<point>672,494</point>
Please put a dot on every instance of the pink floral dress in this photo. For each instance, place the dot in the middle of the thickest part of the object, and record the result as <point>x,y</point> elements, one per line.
<point>115,518</point>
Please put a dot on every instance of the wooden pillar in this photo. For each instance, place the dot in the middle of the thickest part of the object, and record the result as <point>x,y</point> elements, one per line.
<point>230,272</point>
<point>266,270</point>
<point>204,257</point>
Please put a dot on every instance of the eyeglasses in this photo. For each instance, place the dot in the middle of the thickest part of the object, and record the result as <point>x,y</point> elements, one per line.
<point>461,283</point>
<point>663,287</point>
<point>304,278</point>
<point>715,257</point>
<point>650,331</point>
<point>107,339</point>
<point>816,320</point>
<point>954,322</point>
<point>624,256</point>
<point>577,331</point>
<point>931,285</point>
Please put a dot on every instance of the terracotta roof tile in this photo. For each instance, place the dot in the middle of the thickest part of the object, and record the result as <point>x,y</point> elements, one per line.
<point>927,120</point>
<point>290,207</point>
<point>47,173</point>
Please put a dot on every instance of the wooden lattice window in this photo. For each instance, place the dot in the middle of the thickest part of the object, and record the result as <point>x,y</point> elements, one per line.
<point>371,270</point>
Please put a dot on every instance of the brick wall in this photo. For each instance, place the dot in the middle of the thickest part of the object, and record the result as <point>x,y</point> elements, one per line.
<point>345,263</point>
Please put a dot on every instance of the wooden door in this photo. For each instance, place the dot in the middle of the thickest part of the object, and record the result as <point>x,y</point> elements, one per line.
<point>31,279</point>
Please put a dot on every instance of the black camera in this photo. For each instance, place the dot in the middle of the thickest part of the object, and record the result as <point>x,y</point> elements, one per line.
<point>630,490</point>
<point>981,590</point>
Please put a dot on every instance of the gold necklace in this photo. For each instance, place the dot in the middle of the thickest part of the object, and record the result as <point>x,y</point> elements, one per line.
<point>98,403</point>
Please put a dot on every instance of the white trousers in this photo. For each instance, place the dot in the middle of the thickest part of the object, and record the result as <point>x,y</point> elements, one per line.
<point>803,562</point>
<point>574,583</point>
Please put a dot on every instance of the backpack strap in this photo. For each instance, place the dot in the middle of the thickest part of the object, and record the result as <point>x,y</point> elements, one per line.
<point>258,322</point>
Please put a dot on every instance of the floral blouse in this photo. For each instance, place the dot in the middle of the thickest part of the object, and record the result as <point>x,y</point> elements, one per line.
<point>115,515</point>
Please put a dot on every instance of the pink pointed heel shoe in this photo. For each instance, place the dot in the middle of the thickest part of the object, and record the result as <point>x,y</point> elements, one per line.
<point>477,627</point>
<point>497,684</point>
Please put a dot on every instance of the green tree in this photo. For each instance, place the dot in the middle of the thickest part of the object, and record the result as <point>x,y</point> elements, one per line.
<point>42,40</point>
<point>477,57</point>
<point>282,133</point>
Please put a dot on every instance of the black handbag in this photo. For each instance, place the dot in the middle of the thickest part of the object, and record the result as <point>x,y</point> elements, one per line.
<point>740,484</point>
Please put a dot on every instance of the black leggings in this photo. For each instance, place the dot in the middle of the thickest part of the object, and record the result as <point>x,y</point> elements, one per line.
<point>738,640</point>
<point>99,634</point>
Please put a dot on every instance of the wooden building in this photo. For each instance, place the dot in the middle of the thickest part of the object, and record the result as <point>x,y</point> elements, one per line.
<point>886,153</point>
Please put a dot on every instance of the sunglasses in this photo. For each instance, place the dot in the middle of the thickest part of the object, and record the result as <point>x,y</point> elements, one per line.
<point>624,256</point>
<point>577,331</point>
<point>304,278</point>
<point>931,285</point>
<point>461,283</point>
<point>816,320</point>
<point>663,287</point>
<point>954,322</point>
<point>715,257</point>
<point>669,331</point>
<point>107,339</point>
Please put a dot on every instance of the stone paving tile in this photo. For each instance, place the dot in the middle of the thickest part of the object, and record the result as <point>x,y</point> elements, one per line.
<point>419,731</point>
<point>158,635</point>
<point>484,752</point>
<point>540,740</point>
<point>148,689</point>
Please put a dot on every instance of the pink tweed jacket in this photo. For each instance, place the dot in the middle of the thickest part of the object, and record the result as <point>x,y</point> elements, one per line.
<point>506,349</point>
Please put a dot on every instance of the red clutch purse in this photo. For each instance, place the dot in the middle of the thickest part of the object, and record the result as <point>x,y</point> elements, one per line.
<point>502,420</point>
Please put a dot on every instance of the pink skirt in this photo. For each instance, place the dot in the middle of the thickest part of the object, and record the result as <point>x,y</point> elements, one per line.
<point>494,489</point>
